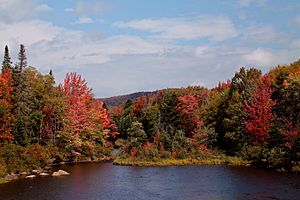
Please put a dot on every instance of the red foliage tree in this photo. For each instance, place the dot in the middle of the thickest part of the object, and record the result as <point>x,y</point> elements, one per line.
<point>6,118</point>
<point>101,116</point>
<point>259,111</point>
<point>138,105</point>
<point>79,96</point>
<point>289,132</point>
<point>189,113</point>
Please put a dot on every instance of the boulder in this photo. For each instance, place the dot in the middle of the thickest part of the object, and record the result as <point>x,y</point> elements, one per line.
<point>30,176</point>
<point>44,174</point>
<point>36,171</point>
<point>11,176</point>
<point>55,174</point>
<point>60,173</point>
<point>63,173</point>
<point>47,167</point>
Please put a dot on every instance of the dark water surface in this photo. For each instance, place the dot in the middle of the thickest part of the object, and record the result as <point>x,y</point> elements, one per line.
<point>97,181</point>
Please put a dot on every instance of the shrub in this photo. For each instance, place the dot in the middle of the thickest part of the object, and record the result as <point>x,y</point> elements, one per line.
<point>19,159</point>
<point>3,170</point>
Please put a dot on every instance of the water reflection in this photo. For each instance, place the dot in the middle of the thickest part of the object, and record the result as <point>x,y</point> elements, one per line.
<point>91,181</point>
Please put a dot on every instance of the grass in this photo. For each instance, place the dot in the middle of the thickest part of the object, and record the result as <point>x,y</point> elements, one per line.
<point>296,168</point>
<point>187,161</point>
<point>4,180</point>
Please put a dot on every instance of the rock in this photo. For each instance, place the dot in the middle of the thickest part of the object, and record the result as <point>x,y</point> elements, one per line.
<point>47,167</point>
<point>11,176</point>
<point>44,174</point>
<point>60,173</point>
<point>36,171</point>
<point>63,173</point>
<point>31,176</point>
<point>23,173</point>
<point>56,174</point>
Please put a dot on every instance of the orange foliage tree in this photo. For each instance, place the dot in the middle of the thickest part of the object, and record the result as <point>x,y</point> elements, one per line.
<point>6,118</point>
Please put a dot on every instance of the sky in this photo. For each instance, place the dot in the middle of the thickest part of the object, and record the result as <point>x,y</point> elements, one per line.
<point>125,46</point>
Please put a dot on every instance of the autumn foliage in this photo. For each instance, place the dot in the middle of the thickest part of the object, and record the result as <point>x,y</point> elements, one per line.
<point>259,111</point>
<point>189,113</point>
<point>6,118</point>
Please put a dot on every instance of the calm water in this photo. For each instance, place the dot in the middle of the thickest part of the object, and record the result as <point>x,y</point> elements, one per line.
<point>92,181</point>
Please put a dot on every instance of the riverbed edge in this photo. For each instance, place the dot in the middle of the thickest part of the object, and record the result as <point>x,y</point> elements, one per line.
<point>4,180</point>
<point>233,161</point>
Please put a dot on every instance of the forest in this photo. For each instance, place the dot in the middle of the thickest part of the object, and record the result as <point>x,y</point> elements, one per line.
<point>251,119</point>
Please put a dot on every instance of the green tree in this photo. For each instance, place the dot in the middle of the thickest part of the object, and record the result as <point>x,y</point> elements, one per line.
<point>136,135</point>
<point>22,101</point>
<point>6,64</point>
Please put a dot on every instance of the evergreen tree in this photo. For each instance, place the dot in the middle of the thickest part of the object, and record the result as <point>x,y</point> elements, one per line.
<point>22,58</point>
<point>21,100</point>
<point>6,64</point>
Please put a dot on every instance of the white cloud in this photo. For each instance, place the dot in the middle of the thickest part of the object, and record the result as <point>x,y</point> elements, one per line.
<point>16,10</point>
<point>297,20</point>
<point>47,43</point>
<point>249,2</point>
<point>259,57</point>
<point>43,8</point>
<point>93,7</point>
<point>84,20</point>
<point>216,28</point>
<point>295,43</point>
<point>262,34</point>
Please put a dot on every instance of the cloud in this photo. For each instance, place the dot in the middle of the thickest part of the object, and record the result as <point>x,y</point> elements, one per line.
<point>297,21</point>
<point>16,10</point>
<point>260,57</point>
<point>215,28</point>
<point>84,20</point>
<point>262,34</point>
<point>43,8</point>
<point>245,3</point>
<point>72,48</point>
<point>295,43</point>
<point>87,8</point>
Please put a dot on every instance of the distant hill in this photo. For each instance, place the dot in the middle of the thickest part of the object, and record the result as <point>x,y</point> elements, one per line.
<point>118,100</point>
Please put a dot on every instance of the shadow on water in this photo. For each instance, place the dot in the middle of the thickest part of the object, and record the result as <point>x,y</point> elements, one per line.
<point>96,181</point>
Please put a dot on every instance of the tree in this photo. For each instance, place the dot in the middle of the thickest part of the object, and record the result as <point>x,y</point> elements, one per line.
<point>22,63</point>
<point>228,110</point>
<point>77,113</point>
<point>136,135</point>
<point>167,103</point>
<point>22,101</point>
<point>6,117</point>
<point>6,64</point>
<point>189,113</point>
<point>259,112</point>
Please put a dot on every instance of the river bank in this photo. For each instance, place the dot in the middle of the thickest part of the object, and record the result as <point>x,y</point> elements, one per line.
<point>234,161</point>
<point>47,170</point>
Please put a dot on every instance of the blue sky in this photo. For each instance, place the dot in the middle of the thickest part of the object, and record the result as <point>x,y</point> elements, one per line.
<point>124,46</point>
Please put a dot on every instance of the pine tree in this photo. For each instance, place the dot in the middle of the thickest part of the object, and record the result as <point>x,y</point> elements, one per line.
<point>6,64</point>
<point>22,58</point>
<point>21,100</point>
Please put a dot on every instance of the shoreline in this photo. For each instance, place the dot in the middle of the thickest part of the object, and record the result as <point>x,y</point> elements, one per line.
<point>12,176</point>
<point>232,161</point>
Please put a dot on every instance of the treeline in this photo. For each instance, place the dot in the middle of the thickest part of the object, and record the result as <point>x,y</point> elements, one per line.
<point>254,117</point>
<point>41,122</point>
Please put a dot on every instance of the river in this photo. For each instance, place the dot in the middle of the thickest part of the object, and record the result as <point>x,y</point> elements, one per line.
<point>97,181</point>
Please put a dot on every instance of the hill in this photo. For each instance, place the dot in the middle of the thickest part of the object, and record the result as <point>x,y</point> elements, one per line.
<point>119,100</point>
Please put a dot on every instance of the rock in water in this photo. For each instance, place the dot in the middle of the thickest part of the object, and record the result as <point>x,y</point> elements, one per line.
<point>44,174</point>
<point>60,173</point>
<point>63,173</point>
<point>31,176</point>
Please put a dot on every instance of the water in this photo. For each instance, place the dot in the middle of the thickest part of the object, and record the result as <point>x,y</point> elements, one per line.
<point>97,181</point>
